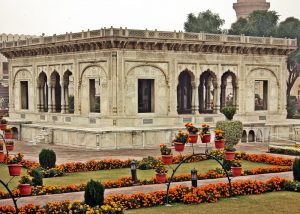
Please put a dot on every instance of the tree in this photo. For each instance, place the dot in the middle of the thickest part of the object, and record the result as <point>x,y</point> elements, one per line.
<point>289,28</point>
<point>205,22</point>
<point>239,27</point>
<point>259,23</point>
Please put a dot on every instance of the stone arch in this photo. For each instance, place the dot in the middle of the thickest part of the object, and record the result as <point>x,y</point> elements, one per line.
<point>146,65</point>
<point>251,136</point>
<point>15,133</point>
<point>42,85</point>
<point>185,92</point>
<point>146,85</point>
<point>22,88</point>
<point>68,92</point>
<point>93,91</point>
<point>206,91</point>
<point>55,86</point>
<point>259,136</point>
<point>271,90</point>
<point>228,92</point>
<point>244,136</point>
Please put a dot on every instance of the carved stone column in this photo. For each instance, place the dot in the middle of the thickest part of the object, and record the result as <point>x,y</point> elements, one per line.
<point>195,97</point>
<point>217,93</point>
<point>50,97</point>
<point>62,99</point>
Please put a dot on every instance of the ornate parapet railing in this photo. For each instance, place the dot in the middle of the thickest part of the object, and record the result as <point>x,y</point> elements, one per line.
<point>147,34</point>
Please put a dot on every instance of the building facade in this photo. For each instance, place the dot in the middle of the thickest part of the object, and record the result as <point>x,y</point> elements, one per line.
<point>143,79</point>
<point>244,8</point>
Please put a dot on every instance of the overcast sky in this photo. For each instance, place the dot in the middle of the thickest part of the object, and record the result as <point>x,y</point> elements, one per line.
<point>60,16</point>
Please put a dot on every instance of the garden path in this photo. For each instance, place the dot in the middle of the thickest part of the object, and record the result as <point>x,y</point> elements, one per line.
<point>78,196</point>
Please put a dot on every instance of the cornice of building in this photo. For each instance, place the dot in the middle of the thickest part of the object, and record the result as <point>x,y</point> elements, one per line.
<point>118,38</point>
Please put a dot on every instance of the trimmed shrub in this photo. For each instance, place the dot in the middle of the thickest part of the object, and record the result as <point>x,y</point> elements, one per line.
<point>233,131</point>
<point>37,177</point>
<point>296,169</point>
<point>229,112</point>
<point>94,193</point>
<point>47,158</point>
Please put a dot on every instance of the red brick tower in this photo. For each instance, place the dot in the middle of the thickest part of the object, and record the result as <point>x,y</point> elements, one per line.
<point>244,8</point>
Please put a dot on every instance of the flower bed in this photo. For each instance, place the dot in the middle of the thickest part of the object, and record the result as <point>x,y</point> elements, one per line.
<point>209,193</point>
<point>127,181</point>
<point>65,207</point>
<point>287,150</point>
<point>116,203</point>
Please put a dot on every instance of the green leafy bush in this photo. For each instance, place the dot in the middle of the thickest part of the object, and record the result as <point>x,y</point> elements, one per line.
<point>37,177</point>
<point>149,163</point>
<point>233,131</point>
<point>229,112</point>
<point>47,158</point>
<point>296,169</point>
<point>94,193</point>
<point>292,186</point>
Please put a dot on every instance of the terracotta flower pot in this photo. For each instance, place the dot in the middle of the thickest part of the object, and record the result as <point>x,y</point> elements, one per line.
<point>236,171</point>
<point>193,138</point>
<point>219,144</point>
<point>206,138</point>
<point>3,126</point>
<point>179,147</point>
<point>229,155</point>
<point>2,156</point>
<point>161,177</point>
<point>25,189</point>
<point>167,159</point>
<point>14,169</point>
<point>8,135</point>
<point>10,147</point>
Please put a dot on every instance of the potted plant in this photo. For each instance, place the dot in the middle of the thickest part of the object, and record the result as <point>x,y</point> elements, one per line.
<point>25,185</point>
<point>3,124</point>
<point>180,140</point>
<point>161,174</point>
<point>166,154</point>
<point>229,152</point>
<point>8,133</point>
<point>193,136</point>
<point>1,152</point>
<point>236,168</point>
<point>205,134</point>
<point>14,167</point>
<point>219,139</point>
<point>9,144</point>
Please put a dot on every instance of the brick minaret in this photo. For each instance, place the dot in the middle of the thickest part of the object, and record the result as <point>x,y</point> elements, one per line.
<point>244,8</point>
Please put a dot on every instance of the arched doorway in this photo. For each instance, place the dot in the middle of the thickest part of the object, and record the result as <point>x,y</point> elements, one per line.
<point>228,89</point>
<point>68,93</point>
<point>43,92</point>
<point>244,137</point>
<point>207,90</point>
<point>15,133</point>
<point>184,93</point>
<point>251,136</point>
<point>55,92</point>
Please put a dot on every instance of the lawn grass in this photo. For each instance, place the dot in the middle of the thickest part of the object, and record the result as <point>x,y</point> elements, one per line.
<point>268,203</point>
<point>114,174</point>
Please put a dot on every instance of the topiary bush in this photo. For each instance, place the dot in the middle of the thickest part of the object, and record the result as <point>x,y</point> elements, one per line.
<point>37,177</point>
<point>233,131</point>
<point>229,112</point>
<point>47,158</point>
<point>296,169</point>
<point>94,193</point>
